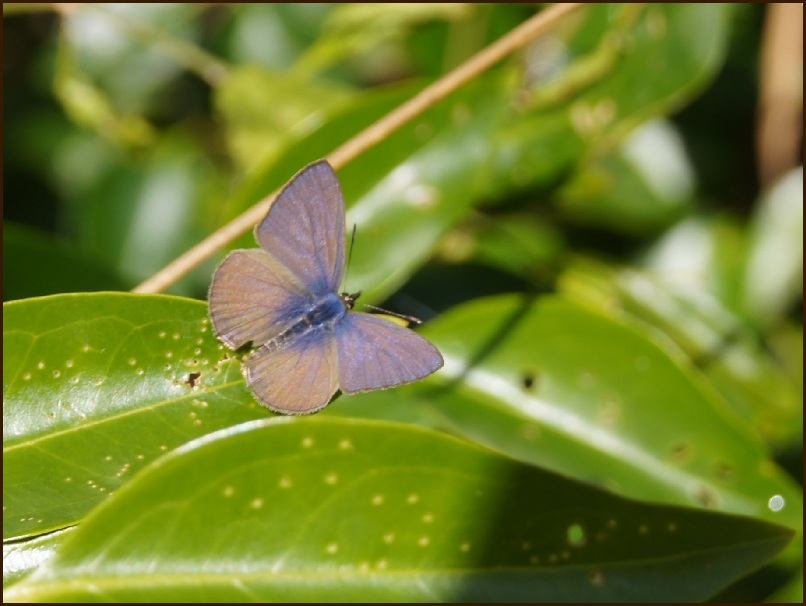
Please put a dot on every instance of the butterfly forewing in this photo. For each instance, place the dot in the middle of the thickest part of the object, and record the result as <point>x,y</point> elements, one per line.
<point>305,228</point>
<point>375,354</point>
<point>297,378</point>
<point>253,297</point>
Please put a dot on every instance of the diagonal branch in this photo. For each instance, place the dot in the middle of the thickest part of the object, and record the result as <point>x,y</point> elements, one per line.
<point>484,59</point>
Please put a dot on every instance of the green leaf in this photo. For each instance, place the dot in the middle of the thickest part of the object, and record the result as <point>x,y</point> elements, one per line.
<point>791,592</point>
<point>773,278</point>
<point>593,86</point>
<point>256,130</point>
<point>97,385</point>
<point>608,89</point>
<point>691,324</point>
<point>644,186</point>
<point>519,243</point>
<point>706,254</point>
<point>352,29</point>
<point>142,215</point>
<point>554,384</point>
<point>317,509</point>
<point>23,557</point>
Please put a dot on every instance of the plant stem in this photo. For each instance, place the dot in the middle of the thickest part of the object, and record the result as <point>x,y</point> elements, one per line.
<point>371,135</point>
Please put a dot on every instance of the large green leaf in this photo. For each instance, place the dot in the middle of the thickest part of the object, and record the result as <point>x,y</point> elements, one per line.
<point>552,383</point>
<point>317,509</point>
<point>694,326</point>
<point>97,385</point>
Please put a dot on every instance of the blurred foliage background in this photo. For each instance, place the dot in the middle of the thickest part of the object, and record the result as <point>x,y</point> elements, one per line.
<point>132,131</point>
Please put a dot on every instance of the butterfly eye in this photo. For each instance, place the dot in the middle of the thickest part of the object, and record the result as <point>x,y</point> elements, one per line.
<point>350,299</point>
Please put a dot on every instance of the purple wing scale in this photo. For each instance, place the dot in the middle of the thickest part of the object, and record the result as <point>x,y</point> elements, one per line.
<point>304,229</point>
<point>253,297</point>
<point>298,378</point>
<point>374,353</point>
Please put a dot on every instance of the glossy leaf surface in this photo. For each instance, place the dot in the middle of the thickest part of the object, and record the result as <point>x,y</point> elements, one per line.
<point>320,509</point>
<point>552,383</point>
<point>97,385</point>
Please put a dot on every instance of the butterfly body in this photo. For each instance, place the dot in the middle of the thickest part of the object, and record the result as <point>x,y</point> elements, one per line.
<point>284,298</point>
<point>321,316</point>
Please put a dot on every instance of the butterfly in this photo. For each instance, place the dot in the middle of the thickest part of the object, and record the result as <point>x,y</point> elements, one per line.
<point>283,297</point>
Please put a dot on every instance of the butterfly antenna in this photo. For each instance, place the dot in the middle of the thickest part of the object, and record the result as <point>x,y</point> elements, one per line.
<point>411,319</point>
<point>350,254</point>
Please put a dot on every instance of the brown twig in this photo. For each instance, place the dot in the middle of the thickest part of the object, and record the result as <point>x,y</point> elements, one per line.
<point>780,114</point>
<point>376,132</point>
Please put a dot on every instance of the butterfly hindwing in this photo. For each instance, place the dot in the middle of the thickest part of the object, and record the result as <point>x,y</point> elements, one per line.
<point>374,353</point>
<point>298,377</point>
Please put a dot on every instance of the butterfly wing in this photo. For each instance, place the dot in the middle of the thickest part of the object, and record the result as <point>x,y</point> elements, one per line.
<point>254,297</point>
<point>374,353</point>
<point>298,377</point>
<point>304,229</point>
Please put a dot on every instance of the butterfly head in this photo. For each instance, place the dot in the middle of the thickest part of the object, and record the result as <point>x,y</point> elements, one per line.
<point>349,299</point>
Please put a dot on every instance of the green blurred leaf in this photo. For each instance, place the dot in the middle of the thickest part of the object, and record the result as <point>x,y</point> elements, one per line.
<point>756,270</point>
<point>94,387</point>
<point>264,111</point>
<point>703,253</point>
<point>773,278</point>
<point>272,34</point>
<point>317,509</point>
<point>646,185</point>
<point>90,106</point>
<point>142,215</point>
<point>790,593</point>
<point>551,383</point>
<point>18,8</point>
<point>425,176</point>
<point>616,48</point>
<point>520,243</point>
<point>786,343</point>
<point>705,334</point>
<point>355,28</point>
<point>122,57</point>
<point>35,264</point>
<point>592,83</point>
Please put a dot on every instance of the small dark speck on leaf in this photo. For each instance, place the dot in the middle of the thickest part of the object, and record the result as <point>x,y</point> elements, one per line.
<point>529,380</point>
<point>193,378</point>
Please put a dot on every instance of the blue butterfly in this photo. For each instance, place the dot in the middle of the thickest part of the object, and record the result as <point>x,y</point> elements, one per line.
<point>284,297</point>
